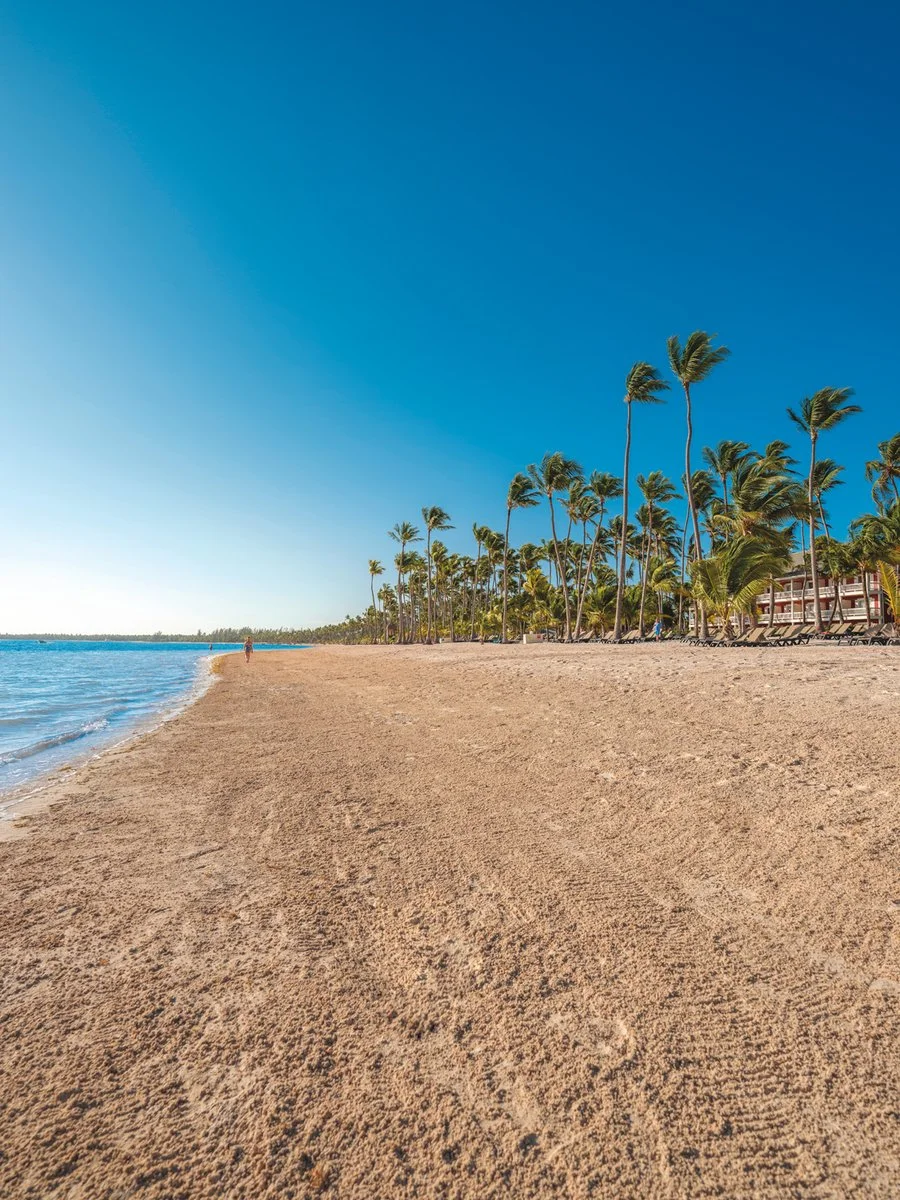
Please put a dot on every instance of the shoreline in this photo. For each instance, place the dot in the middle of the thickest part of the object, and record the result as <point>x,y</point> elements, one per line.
<point>24,801</point>
<point>468,920</point>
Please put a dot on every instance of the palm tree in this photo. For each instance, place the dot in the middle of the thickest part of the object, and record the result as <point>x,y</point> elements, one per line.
<point>692,363</point>
<point>884,471</point>
<point>657,490</point>
<point>604,487</point>
<point>521,494</point>
<point>404,533</point>
<point>480,534</point>
<point>823,410</point>
<point>642,386</point>
<point>722,460</point>
<point>375,568</point>
<point>878,536</point>
<point>435,520</point>
<point>555,473</point>
<point>729,580</point>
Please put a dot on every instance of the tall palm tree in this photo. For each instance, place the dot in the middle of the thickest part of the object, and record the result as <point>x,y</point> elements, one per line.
<point>884,471</point>
<point>375,568</point>
<point>822,411</point>
<point>435,520</point>
<point>692,363</point>
<point>521,494</point>
<point>555,473</point>
<point>404,533</point>
<point>642,386</point>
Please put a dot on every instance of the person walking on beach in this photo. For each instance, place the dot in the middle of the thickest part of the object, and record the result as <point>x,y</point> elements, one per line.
<point>248,648</point>
<point>657,629</point>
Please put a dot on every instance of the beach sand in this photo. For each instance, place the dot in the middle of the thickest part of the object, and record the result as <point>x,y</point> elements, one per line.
<point>468,921</point>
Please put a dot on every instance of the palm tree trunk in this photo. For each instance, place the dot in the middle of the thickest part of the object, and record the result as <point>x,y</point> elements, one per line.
<point>399,608</point>
<point>698,549</point>
<point>772,602</point>
<point>645,572</point>
<point>865,579</point>
<point>428,637</point>
<point>475,591</point>
<point>817,604</point>
<point>589,569</point>
<point>505,573</point>
<point>620,586</point>
<point>562,573</point>
<point>374,610</point>
<point>684,537</point>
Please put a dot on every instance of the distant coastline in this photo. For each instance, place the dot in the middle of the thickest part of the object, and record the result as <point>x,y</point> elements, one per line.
<point>283,637</point>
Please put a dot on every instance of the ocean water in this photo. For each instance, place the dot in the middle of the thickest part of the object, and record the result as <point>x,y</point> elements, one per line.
<point>60,702</point>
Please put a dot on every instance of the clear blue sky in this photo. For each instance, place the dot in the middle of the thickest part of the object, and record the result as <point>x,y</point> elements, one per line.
<point>274,276</point>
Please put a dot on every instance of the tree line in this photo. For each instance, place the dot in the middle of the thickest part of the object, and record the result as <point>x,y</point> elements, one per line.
<point>746,513</point>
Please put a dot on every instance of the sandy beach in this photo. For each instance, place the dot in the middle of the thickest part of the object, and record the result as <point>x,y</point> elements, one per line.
<point>468,921</point>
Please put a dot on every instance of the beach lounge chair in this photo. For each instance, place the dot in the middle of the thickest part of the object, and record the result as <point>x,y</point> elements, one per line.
<point>785,636</point>
<point>873,636</point>
<point>835,633</point>
<point>751,637</point>
<point>633,635</point>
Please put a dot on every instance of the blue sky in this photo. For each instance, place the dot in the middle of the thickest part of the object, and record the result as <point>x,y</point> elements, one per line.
<point>275,276</point>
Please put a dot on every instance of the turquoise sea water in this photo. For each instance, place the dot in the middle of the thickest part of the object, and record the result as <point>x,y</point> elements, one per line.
<point>62,701</point>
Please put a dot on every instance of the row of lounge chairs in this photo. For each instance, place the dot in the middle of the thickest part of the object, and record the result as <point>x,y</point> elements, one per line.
<point>852,633</point>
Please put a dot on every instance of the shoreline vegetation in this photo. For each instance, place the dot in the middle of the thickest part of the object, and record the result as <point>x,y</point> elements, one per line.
<point>747,515</point>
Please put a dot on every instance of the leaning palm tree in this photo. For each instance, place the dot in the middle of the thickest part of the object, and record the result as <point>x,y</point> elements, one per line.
<point>823,410</point>
<point>435,519</point>
<point>521,494</point>
<point>692,363</point>
<point>375,568</point>
<point>404,533</point>
<point>555,473</point>
<point>642,386</point>
<point>884,471</point>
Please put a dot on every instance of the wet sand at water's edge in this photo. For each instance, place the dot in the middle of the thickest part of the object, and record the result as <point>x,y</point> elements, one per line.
<point>468,922</point>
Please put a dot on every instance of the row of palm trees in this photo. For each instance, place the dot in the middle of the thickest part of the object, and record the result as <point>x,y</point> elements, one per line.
<point>615,571</point>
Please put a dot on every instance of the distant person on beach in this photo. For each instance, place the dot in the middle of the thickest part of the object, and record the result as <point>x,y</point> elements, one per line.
<point>657,629</point>
<point>248,648</point>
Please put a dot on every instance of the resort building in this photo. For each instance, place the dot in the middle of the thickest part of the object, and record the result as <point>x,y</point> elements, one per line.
<point>843,601</point>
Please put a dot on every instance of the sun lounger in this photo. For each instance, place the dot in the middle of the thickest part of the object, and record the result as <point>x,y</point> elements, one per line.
<point>873,636</point>
<point>750,637</point>
<point>836,632</point>
<point>789,636</point>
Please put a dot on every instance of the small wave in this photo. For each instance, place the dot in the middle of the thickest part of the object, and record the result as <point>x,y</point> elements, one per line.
<point>59,739</point>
